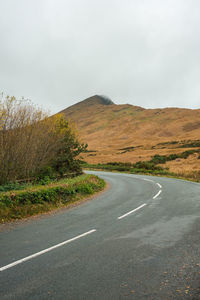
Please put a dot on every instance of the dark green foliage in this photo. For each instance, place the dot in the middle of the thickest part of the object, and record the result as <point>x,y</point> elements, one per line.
<point>159,159</point>
<point>48,193</point>
<point>13,186</point>
<point>146,165</point>
<point>169,143</point>
<point>118,166</point>
<point>126,164</point>
<point>162,159</point>
<point>187,153</point>
<point>191,144</point>
<point>34,199</point>
<point>172,157</point>
<point>153,172</point>
<point>85,189</point>
<point>139,167</point>
<point>112,166</point>
<point>179,144</point>
<point>65,159</point>
<point>45,174</point>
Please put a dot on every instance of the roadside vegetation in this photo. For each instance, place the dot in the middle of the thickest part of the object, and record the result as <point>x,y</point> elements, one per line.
<point>38,155</point>
<point>155,166</point>
<point>142,167</point>
<point>34,199</point>
<point>34,145</point>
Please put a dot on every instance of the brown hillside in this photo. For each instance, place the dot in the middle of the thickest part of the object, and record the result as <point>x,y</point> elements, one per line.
<point>131,133</point>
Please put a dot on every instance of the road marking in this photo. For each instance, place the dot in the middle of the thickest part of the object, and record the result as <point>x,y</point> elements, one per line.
<point>157,194</point>
<point>130,212</point>
<point>45,250</point>
<point>147,179</point>
<point>160,186</point>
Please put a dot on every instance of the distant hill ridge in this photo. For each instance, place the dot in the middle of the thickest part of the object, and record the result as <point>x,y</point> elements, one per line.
<point>106,126</point>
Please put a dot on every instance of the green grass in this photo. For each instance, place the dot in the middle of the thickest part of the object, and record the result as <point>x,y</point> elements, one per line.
<point>14,186</point>
<point>34,199</point>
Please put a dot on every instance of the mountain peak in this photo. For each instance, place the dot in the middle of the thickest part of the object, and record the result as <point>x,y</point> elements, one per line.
<point>96,99</point>
<point>91,101</point>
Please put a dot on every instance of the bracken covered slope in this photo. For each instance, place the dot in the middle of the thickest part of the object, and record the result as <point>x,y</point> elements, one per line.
<point>104,125</point>
<point>131,133</point>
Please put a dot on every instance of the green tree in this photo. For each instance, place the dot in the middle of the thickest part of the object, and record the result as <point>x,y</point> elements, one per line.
<point>66,160</point>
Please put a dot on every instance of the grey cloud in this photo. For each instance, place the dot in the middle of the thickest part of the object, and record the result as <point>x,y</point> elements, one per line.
<point>143,52</point>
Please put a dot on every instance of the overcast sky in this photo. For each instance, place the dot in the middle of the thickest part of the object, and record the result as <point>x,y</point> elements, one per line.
<point>142,52</point>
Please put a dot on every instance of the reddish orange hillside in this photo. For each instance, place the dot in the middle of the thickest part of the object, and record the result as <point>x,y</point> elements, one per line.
<point>111,126</point>
<point>131,133</point>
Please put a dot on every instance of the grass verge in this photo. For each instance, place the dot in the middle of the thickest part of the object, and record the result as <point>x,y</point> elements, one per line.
<point>18,204</point>
<point>143,168</point>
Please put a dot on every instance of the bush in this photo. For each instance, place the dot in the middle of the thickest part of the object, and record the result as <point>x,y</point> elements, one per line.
<point>191,144</point>
<point>35,145</point>
<point>146,171</point>
<point>187,153</point>
<point>46,173</point>
<point>159,159</point>
<point>85,189</point>
<point>147,165</point>
<point>141,166</point>
<point>162,159</point>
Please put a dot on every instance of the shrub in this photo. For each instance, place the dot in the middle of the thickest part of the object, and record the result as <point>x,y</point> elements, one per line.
<point>159,159</point>
<point>187,153</point>
<point>147,165</point>
<point>33,144</point>
<point>46,173</point>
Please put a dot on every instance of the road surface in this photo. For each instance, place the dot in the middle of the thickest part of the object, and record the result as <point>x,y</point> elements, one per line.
<point>138,240</point>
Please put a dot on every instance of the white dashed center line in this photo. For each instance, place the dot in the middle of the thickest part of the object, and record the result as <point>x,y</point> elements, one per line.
<point>160,186</point>
<point>132,211</point>
<point>45,250</point>
<point>157,194</point>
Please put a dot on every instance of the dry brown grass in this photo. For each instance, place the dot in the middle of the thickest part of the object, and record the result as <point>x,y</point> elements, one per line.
<point>189,167</point>
<point>109,128</point>
<point>134,156</point>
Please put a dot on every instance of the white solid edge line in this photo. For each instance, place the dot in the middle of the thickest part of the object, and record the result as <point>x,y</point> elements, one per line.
<point>44,251</point>
<point>157,194</point>
<point>130,212</point>
<point>160,186</point>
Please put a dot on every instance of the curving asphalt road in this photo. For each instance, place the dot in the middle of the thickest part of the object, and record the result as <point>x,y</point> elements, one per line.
<point>138,240</point>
